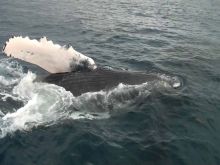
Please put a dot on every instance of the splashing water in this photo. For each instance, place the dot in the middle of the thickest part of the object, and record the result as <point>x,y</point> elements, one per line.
<point>43,103</point>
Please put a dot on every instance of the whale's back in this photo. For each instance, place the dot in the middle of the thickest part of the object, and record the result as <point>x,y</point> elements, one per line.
<point>96,80</point>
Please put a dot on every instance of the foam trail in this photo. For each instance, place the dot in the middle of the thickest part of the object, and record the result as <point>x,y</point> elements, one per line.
<point>49,56</point>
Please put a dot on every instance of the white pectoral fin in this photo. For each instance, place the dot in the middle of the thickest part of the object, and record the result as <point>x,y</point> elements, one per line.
<point>49,56</point>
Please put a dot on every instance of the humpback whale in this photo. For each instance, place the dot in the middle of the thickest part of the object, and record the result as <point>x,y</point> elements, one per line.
<point>70,69</point>
<point>99,79</point>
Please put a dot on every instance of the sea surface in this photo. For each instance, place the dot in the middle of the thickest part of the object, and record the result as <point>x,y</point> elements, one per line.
<point>179,40</point>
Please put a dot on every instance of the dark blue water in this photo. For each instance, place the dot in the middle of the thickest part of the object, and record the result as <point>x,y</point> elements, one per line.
<point>174,38</point>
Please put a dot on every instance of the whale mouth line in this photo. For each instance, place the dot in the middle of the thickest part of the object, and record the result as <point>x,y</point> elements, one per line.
<point>52,57</point>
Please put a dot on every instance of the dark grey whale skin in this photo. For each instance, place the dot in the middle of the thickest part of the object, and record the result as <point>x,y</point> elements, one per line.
<point>100,79</point>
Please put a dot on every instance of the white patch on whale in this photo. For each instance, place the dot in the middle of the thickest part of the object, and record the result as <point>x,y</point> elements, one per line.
<point>49,56</point>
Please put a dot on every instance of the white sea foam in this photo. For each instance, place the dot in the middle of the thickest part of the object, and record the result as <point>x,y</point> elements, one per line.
<point>10,72</point>
<point>5,81</point>
<point>43,104</point>
<point>1,113</point>
<point>173,81</point>
<point>49,56</point>
<point>8,95</point>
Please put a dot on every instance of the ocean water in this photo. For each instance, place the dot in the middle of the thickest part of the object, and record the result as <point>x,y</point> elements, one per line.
<point>151,123</point>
